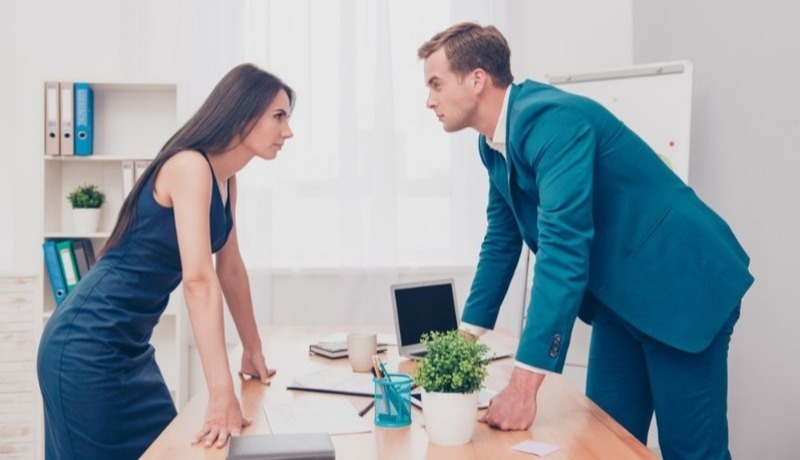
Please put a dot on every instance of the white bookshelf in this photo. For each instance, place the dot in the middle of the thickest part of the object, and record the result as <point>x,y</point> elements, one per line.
<point>131,122</point>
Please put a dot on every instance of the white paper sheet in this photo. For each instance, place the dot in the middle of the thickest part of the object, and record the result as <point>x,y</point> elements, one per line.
<point>341,380</point>
<point>315,415</point>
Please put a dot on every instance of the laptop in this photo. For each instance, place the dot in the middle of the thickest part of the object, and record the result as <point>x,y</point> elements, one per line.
<point>422,307</point>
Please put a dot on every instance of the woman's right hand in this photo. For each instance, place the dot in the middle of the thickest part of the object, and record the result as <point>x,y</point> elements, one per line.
<point>223,420</point>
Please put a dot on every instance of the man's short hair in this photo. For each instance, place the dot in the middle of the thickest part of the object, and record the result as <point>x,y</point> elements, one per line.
<point>469,46</point>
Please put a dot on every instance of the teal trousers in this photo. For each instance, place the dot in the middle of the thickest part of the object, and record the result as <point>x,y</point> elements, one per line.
<point>631,376</point>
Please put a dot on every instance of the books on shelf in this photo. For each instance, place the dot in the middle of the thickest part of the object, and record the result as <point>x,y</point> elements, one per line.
<point>84,119</point>
<point>67,262</point>
<point>54,271</point>
<point>52,122</point>
<point>69,118</point>
<point>127,178</point>
<point>337,349</point>
<point>67,102</point>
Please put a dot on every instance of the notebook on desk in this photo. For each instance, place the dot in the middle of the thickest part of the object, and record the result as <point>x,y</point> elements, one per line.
<point>316,446</point>
<point>422,307</point>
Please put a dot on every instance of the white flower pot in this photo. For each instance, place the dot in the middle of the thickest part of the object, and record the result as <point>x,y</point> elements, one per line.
<point>86,220</point>
<point>450,418</point>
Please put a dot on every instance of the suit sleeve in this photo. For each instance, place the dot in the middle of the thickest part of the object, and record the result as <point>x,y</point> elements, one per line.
<point>560,147</point>
<point>496,264</point>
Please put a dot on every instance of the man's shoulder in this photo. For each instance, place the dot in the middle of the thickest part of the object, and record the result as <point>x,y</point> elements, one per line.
<point>532,93</point>
<point>534,101</point>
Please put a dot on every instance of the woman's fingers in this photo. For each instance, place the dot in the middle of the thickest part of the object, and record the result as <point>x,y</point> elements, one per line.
<point>222,438</point>
<point>211,437</point>
<point>200,434</point>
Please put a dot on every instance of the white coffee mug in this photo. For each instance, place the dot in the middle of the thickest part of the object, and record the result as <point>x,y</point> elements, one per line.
<point>361,346</point>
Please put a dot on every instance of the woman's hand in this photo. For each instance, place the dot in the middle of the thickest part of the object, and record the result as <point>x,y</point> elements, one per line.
<point>223,420</point>
<point>254,365</point>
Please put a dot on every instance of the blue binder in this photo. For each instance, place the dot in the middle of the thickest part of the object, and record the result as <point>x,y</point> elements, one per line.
<point>84,119</point>
<point>53,267</point>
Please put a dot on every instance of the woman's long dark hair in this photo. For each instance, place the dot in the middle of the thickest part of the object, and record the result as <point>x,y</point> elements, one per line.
<point>231,110</point>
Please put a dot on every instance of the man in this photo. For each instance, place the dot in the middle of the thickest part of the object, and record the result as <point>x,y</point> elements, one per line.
<point>620,242</point>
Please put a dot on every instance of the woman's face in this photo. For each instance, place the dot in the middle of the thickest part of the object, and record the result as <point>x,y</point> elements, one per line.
<point>271,130</point>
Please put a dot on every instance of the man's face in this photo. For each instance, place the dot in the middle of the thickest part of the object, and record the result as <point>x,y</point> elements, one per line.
<point>453,99</point>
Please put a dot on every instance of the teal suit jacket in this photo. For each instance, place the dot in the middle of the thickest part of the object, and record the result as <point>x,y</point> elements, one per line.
<point>609,222</point>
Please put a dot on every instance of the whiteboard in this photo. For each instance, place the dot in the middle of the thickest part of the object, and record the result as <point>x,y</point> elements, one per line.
<point>654,100</point>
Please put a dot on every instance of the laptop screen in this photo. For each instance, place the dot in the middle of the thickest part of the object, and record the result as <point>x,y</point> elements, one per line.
<point>424,309</point>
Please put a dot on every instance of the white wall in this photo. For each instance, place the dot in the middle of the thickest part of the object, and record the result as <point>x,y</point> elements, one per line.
<point>40,51</point>
<point>8,39</point>
<point>549,37</point>
<point>744,163</point>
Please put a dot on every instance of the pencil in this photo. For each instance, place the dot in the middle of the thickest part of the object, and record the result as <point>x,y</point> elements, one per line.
<point>366,409</point>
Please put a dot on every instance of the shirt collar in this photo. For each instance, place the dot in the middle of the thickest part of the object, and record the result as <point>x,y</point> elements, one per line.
<point>498,140</point>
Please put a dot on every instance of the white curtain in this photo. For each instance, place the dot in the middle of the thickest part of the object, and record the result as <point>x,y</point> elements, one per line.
<point>366,180</point>
<point>371,190</point>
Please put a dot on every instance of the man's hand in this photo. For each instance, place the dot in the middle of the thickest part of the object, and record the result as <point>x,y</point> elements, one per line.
<point>467,335</point>
<point>514,408</point>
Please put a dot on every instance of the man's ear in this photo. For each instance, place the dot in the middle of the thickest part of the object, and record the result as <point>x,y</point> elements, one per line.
<point>479,80</point>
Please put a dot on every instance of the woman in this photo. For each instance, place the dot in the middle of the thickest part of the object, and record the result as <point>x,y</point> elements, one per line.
<point>104,395</point>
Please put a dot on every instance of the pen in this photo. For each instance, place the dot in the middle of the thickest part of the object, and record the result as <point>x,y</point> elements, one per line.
<point>393,395</point>
<point>366,409</point>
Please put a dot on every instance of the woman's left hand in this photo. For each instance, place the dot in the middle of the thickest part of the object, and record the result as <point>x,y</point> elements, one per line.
<point>255,366</point>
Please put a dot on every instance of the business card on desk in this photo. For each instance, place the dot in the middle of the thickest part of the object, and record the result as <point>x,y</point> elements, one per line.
<point>537,448</point>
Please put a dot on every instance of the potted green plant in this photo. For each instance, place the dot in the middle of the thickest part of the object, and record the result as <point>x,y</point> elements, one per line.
<point>86,201</point>
<point>451,373</point>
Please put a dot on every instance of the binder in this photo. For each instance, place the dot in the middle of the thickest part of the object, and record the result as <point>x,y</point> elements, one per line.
<point>81,261</point>
<point>127,178</point>
<point>84,119</point>
<point>54,272</point>
<point>67,142</point>
<point>89,251</point>
<point>68,265</point>
<point>139,167</point>
<point>52,127</point>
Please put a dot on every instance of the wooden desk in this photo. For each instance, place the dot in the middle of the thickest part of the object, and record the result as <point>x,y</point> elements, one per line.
<point>565,416</point>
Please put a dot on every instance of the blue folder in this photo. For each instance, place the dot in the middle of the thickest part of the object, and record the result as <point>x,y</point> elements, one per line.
<point>53,267</point>
<point>84,119</point>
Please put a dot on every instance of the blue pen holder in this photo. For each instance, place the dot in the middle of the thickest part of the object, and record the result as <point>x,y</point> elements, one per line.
<point>393,400</point>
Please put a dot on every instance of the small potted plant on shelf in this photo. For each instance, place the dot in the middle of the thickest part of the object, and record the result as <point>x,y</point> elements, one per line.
<point>86,201</point>
<point>451,373</point>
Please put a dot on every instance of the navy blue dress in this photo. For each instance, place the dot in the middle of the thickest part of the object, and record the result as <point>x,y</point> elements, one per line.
<point>104,396</point>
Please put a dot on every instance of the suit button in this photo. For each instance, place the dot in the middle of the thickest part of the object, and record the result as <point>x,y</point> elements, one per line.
<point>555,345</point>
